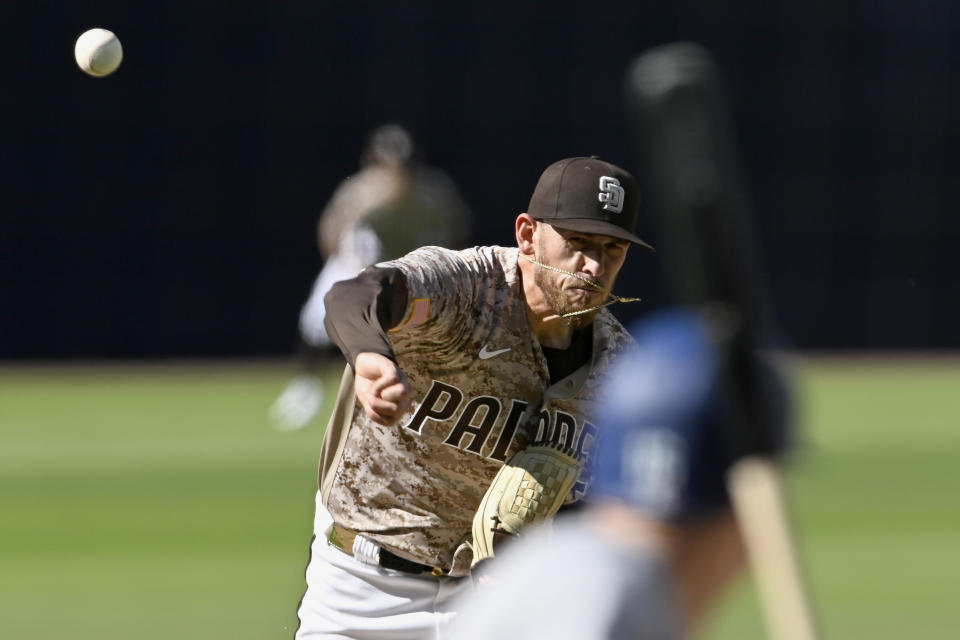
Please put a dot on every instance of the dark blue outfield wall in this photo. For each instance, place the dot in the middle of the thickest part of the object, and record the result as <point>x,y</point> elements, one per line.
<point>169,210</point>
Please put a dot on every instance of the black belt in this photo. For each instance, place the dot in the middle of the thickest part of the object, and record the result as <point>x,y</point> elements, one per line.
<point>393,561</point>
<point>342,538</point>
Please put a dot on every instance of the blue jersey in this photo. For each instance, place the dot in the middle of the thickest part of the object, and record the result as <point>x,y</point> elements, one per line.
<point>664,445</point>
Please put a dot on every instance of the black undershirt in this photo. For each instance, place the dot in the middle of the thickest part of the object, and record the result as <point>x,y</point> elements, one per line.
<point>563,362</point>
<point>359,311</point>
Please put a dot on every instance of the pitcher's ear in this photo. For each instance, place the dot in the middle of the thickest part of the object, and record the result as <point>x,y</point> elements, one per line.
<point>525,228</point>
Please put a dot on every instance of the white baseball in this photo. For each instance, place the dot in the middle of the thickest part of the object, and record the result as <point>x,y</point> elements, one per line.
<point>98,52</point>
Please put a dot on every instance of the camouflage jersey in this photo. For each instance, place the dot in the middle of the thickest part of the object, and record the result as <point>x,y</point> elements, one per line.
<point>481,391</point>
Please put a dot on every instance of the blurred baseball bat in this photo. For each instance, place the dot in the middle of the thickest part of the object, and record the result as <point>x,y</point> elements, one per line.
<point>690,175</point>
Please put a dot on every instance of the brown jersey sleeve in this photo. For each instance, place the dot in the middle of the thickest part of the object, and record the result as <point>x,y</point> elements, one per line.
<point>360,311</point>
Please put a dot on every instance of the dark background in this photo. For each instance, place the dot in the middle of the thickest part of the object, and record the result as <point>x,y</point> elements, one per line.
<point>168,210</point>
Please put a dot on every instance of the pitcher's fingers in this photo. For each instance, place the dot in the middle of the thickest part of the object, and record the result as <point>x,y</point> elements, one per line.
<point>382,411</point>
<point>385,381</point>
<point>396,392</point>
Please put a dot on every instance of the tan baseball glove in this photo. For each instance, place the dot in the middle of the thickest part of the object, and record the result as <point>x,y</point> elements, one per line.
<point>530,487</point>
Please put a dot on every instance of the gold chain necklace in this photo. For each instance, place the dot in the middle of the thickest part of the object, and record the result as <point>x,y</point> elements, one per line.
<point>611,298</point>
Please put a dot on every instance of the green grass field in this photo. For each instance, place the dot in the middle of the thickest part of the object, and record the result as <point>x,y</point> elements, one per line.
<point>156,502</point>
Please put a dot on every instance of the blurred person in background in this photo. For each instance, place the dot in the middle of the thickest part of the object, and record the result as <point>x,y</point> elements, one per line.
<point>393,205</point>
<point>657,542</point>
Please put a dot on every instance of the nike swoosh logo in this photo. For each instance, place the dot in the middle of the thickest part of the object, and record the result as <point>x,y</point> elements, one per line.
<point>484,354</point>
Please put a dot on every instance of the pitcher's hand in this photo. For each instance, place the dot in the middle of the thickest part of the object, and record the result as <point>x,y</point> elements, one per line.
<point>381,387</point>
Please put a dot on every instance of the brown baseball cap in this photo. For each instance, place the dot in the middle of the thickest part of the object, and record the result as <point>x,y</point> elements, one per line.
<point>588,195</point>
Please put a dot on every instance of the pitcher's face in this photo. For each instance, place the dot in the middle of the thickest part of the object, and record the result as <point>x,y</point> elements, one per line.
<point>589,266</point>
